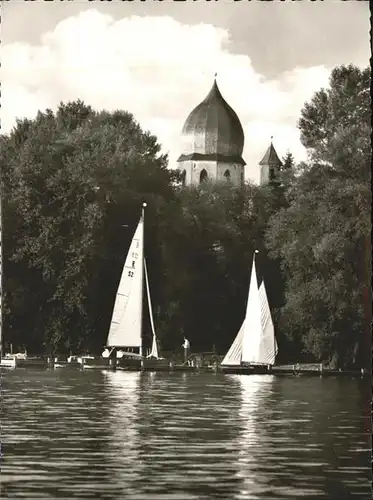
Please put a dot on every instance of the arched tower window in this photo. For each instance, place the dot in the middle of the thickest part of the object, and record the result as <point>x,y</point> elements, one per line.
<point>183,177</point>
<point>227,175</point>
<point>203,176</point>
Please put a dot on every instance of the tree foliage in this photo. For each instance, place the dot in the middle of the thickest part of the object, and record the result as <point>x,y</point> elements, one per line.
<point>288,162</point>
<point>70,180</point>
<point>323,236</point>
<point>208,246</point>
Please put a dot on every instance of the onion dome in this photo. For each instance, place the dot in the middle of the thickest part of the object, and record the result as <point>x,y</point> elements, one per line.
<point>213,131</point>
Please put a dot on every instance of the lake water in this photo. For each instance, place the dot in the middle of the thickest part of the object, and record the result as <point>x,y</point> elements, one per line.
<point>147,436</point>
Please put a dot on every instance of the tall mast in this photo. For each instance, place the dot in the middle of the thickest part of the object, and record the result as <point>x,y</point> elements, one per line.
<point>142,273</point>
<point>149,298</point>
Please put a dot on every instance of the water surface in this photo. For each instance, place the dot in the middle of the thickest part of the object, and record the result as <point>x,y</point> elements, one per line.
<point>116,435</point>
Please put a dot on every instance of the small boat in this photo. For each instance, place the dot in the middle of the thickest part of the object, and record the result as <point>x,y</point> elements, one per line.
<point>255,347</point>
<point>125,338</point>
<point>8,361</point>
<point>67,362</point>
<point>12,360</point>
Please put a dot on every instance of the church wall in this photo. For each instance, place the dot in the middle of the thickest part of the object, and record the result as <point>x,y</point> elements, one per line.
<point>215,171</point>
<point>187,166</point>
<point>209,166</point>
<point>264,175</point>
<point>236,171</point>
<point>194,168</point>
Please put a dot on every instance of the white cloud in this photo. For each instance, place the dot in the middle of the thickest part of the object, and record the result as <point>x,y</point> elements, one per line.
<point>159,70</point>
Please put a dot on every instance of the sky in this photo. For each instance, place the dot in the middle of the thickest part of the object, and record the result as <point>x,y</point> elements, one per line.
<point>157,60</point>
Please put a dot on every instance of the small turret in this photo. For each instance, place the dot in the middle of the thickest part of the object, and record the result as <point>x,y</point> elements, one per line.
<point>270,166</point>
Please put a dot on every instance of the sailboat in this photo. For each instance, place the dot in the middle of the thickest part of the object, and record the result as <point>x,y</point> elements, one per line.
<point>255,346</point>
<point>125,333</point>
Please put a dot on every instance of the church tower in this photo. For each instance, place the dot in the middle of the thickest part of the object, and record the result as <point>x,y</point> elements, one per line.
<point>212,143</point>
<point>270,166</point>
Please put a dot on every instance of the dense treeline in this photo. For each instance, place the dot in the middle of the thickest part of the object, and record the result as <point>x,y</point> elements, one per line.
<point>72,186</point>
<point>323,237</point>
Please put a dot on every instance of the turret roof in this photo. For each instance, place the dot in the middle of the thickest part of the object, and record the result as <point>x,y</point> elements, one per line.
<point>271,157</point>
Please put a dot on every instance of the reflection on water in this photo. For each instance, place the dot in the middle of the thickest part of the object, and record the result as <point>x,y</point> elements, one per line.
<point>114,435</point>
<point>255,390</point>
<point>123,432</point>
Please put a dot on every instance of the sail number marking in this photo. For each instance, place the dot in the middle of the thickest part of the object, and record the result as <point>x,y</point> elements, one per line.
<point>135,256</point>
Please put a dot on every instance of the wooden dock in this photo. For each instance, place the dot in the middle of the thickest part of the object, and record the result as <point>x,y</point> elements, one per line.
<point>193,366</point>
<point>314,369</point>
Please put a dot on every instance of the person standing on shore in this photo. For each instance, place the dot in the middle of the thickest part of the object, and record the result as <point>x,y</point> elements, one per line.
<point>186,346</point>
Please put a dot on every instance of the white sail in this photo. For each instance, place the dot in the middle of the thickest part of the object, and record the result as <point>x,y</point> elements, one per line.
<point>253,325</point>
<point>234,355</point>
<point>126,323</point>
<point>154,351</point>
<point>268,346</point>
<point>263,345</point>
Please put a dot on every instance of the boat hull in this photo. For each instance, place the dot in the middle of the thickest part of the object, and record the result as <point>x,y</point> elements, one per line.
<point>129,364</point>
<point>8,362</point>
<point>149,365</point>
<point>97,363</point>
<point>246,369</point>
<point>18,362</point>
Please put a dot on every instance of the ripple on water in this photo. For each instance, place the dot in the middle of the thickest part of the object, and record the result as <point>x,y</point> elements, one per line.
<point>182,436</point>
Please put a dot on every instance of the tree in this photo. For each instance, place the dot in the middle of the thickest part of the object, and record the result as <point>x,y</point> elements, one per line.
<point>322,238</point>
<point>70,180</point>
<point>208,243</point>
<point>288,162</point>
<point>335,126</point>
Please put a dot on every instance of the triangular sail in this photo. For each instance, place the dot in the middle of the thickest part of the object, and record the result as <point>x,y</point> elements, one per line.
<point>266,349</point>
<point>252,325</point>
<point>154,351</point>
<point>126,323</point>
<point>268,346</point>
<point>234,355</point>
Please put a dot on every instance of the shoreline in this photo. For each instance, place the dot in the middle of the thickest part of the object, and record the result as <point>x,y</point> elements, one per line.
<point>94,363</point>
